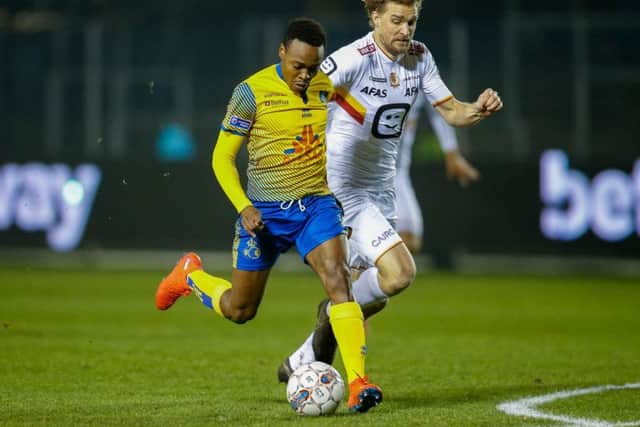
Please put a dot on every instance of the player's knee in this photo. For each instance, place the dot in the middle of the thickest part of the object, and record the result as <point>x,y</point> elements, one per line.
<point>395,282</point>
<point>241,315</point>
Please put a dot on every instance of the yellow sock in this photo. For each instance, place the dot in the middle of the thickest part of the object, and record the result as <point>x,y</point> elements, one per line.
<point>208,288</point>
<point>346,320</point>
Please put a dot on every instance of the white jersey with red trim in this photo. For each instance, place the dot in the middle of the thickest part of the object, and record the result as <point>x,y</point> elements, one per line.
<point>445,134</point>
<point>373,97</point>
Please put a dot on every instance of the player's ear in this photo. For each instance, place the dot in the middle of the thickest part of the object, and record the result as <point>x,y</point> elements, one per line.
<point>282,51</point>
<point>375,18</point>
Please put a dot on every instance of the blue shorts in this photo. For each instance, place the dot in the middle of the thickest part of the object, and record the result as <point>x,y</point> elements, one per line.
<point>305,223</point>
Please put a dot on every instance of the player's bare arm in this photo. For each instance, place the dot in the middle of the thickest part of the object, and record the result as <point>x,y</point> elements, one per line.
<point>461,114</point>
<point>460,169</point>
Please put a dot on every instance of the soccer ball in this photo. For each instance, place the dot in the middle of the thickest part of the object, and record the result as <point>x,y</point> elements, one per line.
<point>315,389</point>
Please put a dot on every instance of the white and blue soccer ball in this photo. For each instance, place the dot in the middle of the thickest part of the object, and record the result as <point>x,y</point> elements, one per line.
<point>315,389</point>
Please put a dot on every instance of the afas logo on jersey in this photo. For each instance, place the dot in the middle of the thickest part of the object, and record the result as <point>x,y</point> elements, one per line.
<point>374,91</point>
<point>411,91</point>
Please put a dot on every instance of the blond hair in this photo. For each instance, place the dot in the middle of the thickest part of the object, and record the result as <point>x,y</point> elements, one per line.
<point>377,5</point>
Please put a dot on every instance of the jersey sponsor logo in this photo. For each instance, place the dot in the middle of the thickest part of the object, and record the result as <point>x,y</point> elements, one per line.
<point>240,123</point>
<point>389,120</point>
<point>374,91</point>
<point>370,48</point>
<point>381,238</point>
<point>272,94</point>
<point>276,102</point>
<point>328,66</point>
<point>306,146</point>
<point>378,79</point>
<point>411,91</point>
<point>417,49</point>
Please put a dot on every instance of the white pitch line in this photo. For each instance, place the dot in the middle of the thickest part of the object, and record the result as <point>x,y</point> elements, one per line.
<point>527,407</point>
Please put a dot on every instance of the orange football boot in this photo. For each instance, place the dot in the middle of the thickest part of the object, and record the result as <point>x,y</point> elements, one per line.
<point>174,285</point>
<point>363,395</point>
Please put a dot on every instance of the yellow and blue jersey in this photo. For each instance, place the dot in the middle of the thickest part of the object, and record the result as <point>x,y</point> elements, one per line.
<point>285,135</point>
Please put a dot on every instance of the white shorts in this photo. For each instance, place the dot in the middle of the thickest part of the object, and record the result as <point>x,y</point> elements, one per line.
<point>373,233</point>
<point>407,206</point>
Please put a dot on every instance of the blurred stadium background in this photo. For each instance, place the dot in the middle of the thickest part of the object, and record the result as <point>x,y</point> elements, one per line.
<point>108,114</point>
<point>109,111</point>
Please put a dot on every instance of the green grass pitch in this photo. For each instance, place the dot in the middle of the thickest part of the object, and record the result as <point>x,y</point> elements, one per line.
<point>89,348</point>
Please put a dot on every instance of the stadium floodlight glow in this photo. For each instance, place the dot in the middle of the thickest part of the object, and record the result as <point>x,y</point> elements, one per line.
<point>53,199</point>
<point>573,205</point>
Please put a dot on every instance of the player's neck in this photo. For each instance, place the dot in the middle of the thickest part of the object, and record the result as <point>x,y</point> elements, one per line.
<point>381,46</point>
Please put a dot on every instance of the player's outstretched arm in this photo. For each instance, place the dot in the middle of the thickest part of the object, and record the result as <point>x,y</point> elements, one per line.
<point>461,114</point>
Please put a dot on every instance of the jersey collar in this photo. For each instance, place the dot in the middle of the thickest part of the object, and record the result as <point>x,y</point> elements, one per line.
<point>382,54</point>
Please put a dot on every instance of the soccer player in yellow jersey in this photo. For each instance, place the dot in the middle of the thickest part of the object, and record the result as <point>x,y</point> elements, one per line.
<point>281,114</point>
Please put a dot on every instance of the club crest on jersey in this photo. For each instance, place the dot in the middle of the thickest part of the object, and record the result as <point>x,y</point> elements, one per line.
<point>394,79</point>
<point>370,48</point>
<point>252,251</point>
<point>324,96</point>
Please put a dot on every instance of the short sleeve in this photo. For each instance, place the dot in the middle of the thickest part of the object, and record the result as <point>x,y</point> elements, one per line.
<point>433,87</point>
<point>341,67</point>
<point>241,111</point>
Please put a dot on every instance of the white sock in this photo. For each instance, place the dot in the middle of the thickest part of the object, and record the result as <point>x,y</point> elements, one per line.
<point>366,289</point>
<point>303,355</point>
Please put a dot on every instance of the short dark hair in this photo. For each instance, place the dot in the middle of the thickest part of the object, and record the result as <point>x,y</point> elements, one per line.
<point>306,30</point>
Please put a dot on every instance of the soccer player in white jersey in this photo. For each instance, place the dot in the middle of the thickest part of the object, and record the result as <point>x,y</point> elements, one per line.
<point>377,78</point>
<point>409,223</point>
